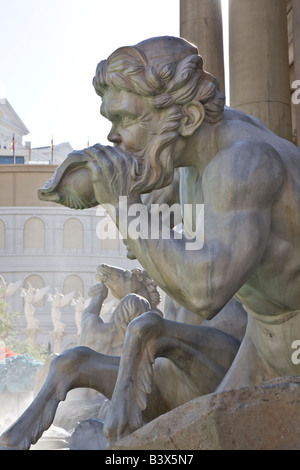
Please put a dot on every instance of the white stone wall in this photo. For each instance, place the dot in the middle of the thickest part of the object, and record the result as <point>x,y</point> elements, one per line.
<point>47,256</point>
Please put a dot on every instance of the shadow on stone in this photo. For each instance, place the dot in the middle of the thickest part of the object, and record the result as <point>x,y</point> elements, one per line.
<point>88,436</point>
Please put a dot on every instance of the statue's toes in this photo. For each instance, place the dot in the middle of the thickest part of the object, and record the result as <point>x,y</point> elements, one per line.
<point>115,429</point>
<point>8,443</point>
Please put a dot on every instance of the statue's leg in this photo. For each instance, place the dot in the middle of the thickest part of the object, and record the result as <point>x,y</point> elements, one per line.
<point>204,354</point>
<point>249,367</point>
<point>76,367</point>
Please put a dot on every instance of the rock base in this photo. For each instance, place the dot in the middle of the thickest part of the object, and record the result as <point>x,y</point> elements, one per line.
<point>265,417</point>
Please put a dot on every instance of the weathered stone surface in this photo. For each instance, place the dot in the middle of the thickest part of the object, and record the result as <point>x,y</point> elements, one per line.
<point>88,436</point>
<point>265,417</point>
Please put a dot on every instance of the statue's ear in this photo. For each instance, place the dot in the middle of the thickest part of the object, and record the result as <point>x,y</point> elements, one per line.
<point>193,115</point>
<point>127,274</point>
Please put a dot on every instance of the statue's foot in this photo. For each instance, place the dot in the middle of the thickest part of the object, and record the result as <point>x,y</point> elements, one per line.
<point>25,445</point>
<point>118,425</point>
<point>30,426</point>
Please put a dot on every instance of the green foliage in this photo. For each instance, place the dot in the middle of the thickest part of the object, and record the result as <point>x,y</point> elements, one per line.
<point>8,319</point>
<point>9,330</point>
<point>26,346</point>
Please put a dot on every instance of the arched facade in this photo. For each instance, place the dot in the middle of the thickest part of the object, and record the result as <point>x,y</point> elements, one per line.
<point>73,234</point>
<point>47,244</point>
<point>73,283</point>
<point>34,233</point>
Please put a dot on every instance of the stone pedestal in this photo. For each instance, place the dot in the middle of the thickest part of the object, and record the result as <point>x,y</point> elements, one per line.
<point>54,438</point>
<point>32,334</point>
<point>58,337</point>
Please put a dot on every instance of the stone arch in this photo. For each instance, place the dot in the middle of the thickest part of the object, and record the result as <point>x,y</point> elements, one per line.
<point>73,283</point>
<point>73,234</point>
<point>34,233</point>
<point>110,246</point>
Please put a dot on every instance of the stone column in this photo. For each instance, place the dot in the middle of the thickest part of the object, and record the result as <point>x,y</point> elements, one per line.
<point>296,34</point>
<point>201,24</point>
<point>259,65</point>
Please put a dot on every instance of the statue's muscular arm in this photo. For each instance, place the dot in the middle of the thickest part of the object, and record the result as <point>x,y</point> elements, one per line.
<point>240,186</point>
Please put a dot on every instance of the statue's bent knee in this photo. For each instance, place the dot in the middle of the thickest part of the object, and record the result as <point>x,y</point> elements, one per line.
<point>141,325</point>
<point>68,358</point>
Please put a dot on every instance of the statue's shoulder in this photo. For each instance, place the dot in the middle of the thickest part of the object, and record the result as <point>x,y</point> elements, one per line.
<point>232,114</point>
<point>245,167</point>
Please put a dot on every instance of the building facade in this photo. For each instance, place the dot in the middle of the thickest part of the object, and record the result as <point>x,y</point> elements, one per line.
<point>264,56</point>
<point>46,244</point>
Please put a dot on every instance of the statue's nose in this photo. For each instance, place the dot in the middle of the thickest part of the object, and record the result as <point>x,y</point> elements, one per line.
<point>114,137</point>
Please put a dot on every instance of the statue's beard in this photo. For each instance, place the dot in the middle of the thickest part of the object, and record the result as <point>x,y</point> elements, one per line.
<point>73,186</point>
<point>156,168</point>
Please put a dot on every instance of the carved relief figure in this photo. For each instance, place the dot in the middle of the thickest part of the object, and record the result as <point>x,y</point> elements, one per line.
<point>80,304</point>
<point>8,289</point>
<point>122,282</point>
<point>108,338</point>
<point>31,296</point>
<point>105,337</point>
<point>136,292</point>
<point>58,301</point>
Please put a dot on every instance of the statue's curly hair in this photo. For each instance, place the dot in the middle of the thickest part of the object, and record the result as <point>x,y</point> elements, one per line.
<point>151,286</point>
<point>167,84</point>
<point>130,307</point>
<point>163,83</point>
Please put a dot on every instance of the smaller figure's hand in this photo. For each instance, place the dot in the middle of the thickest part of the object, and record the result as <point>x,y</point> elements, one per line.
<point>98,289</point>
<point>113,172</point>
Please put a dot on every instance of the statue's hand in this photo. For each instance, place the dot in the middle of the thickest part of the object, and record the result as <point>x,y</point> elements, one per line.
<point>113,172</point>
<point>98,289</point>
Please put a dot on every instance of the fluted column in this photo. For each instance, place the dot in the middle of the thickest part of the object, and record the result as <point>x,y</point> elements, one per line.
<point>201,24</point>
<point>259,65</point>
<point>296,34</point>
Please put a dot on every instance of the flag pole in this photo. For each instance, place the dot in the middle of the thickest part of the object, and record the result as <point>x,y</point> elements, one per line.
<point>13,148</point>
<point>52,150</point>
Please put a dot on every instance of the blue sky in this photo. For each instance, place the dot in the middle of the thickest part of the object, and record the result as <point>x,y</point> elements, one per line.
<point>49,50</point>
